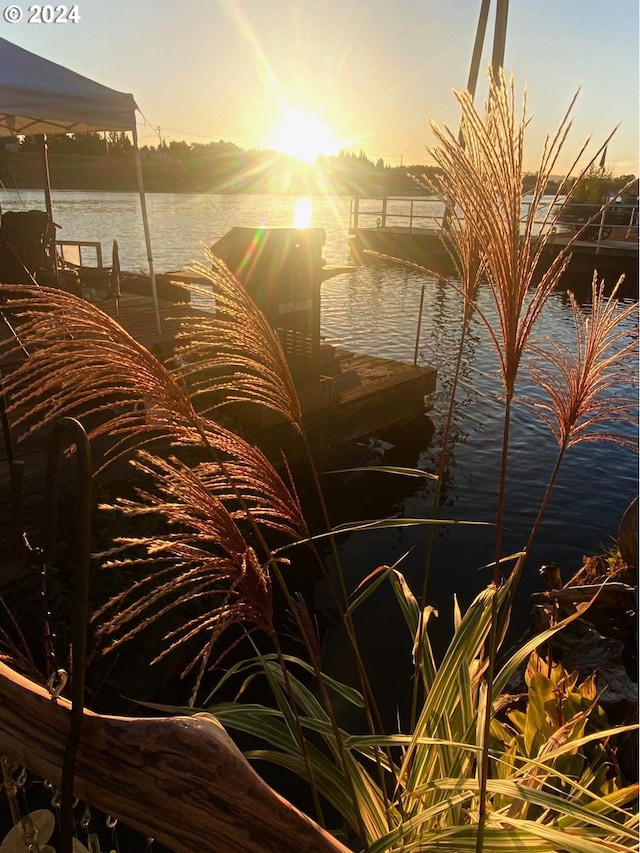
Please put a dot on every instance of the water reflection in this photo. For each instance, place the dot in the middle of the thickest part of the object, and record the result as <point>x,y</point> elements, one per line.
<point>302,213</point>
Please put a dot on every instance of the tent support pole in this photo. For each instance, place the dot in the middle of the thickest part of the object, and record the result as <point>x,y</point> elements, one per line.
<point>147,235</point>
<point>44,156</point>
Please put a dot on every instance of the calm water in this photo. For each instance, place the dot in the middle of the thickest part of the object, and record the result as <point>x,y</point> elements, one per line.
<point>375,311</point>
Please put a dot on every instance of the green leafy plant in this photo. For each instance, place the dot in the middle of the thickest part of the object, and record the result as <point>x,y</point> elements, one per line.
<point>594,187</point>
<point>551,771</point>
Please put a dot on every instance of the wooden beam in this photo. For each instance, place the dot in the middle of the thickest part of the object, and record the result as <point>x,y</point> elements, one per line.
<point>180,780</point>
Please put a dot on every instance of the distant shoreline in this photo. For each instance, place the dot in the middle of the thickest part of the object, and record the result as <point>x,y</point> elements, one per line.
<point>239,173</point>
<point>95,173</point>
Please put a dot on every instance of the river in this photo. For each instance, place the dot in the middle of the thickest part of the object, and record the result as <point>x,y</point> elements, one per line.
<point>375,310</point>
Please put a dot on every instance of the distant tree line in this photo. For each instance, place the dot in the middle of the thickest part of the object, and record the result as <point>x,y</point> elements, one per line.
<point>84,144</point>
<point>105,161</point>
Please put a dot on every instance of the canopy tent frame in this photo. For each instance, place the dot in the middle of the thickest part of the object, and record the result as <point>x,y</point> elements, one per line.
<point>38,97</point>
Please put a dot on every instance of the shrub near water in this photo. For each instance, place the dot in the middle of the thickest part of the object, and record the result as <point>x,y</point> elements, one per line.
<point>594,187</point>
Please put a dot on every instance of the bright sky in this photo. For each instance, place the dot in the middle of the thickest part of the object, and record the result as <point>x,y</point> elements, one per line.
<point>373,72</point>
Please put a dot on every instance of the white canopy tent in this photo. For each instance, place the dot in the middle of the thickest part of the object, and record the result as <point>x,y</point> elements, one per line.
<point>38,96</point>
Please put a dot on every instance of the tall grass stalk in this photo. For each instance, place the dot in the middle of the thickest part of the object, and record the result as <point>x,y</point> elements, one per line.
<point>480,185</point>
<point>465,255</point>
<point>577,405</point>
<point>483,166</point>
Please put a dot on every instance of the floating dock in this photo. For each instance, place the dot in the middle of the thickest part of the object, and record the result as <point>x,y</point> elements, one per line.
<point>356,396</point>
<point>387,230</point>
<point>344,395</point>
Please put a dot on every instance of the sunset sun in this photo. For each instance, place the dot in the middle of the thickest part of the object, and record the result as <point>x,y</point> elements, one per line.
<point>304,136</point>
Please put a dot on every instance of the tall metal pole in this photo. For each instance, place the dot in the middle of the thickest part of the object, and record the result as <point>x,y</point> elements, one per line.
<point>44,153</point>
<point>476,56</point>
<point>472,80</point>
<point>499,36</point>
<point>145,225</point>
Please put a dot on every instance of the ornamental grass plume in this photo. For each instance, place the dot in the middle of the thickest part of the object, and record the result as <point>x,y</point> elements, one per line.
<point>206,561</point>
<point>233,354</point>
<point>575,381</point>
<point>480,182</point>
<point>238,346</point>
<point>80,362</point>
<point>482,171</point>
<point>586,388</point>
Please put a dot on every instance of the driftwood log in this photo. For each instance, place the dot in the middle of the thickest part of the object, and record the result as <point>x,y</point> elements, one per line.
<point>606,596</point>
<point>180,780</point>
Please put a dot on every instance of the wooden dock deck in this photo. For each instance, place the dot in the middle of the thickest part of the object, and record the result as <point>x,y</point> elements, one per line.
<point>138,317</point>
<point>356,395</point>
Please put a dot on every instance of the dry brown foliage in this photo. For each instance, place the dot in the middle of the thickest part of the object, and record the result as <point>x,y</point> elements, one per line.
<point>82,363</point>
<point>585,386</point>
<point>482,169</point>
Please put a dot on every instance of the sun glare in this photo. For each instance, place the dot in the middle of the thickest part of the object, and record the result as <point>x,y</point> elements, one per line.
<point>303,136</point>
<point>302,213</point>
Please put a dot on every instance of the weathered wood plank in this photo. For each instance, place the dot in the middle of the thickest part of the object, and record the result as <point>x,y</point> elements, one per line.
<point>180,780</point>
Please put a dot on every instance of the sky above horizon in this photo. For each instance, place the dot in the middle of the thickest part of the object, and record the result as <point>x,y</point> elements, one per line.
<point>373,72</point>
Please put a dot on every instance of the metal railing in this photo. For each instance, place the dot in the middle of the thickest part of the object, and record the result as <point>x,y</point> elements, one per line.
<point>74,252</point>
<point>395,211</point>
<point>613,221</point>
<point>594,223</point>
